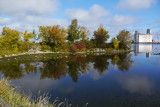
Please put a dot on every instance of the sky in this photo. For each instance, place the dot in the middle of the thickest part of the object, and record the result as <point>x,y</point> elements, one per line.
<point>115,15</point>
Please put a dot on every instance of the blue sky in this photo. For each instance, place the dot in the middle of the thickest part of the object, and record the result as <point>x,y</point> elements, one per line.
<point>115,15</point>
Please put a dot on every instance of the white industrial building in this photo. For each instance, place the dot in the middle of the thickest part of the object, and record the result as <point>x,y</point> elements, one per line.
<point>143,38</point>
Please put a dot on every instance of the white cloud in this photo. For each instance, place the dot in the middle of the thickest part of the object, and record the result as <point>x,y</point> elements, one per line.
<point>90,17</point>
<point>44,21</point>
<point>28,14</point>
<point>25,7</point>
<point>120,20</point>
<point>5,21</point>
<point>32,22</point>
<point>135,5</point>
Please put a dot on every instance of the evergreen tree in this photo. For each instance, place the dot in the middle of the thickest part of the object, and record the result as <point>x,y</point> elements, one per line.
<point>73,31</point>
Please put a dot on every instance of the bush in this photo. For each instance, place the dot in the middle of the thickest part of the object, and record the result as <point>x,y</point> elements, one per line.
<point>46,48</point>
<point>80,46</point>
<point>73,48</point>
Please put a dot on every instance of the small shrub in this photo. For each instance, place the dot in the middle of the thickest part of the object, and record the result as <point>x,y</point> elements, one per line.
<point>46,48</point>
<point>73,48</point>
<point>80,46</point>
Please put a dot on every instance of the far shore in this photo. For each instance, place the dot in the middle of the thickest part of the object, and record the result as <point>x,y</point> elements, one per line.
<point>50,52</point>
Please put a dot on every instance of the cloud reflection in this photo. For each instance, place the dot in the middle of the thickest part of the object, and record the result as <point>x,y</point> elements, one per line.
<point>34,84</point>
<point>136,84</point>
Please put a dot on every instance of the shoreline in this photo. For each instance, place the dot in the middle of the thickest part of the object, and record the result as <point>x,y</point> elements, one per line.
<point>84,52</point>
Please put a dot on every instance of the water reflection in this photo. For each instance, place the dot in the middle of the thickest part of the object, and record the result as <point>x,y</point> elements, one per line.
<point>102,80</point>
<point>135,83</point>
<point>146,48</point>
<point>72,65</point>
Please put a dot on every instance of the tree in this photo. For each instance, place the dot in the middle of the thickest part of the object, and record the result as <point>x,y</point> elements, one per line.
<point>73,31</point>
<point>10,39</point>
<point>53,35</point>
<point>125,39</point>
<point>115,43</point>
<point>44,32</point>
<point>101,35</point>
<point>11,35</point>
<point>27,36</point>
<point>84,33</point>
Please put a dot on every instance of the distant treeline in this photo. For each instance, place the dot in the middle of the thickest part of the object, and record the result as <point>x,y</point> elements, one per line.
<point>56,38</point>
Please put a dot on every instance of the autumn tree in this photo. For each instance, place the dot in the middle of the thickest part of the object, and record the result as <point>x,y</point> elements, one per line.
<point>9,40</point>
<point>10,35</point>
<point>101,35</point>
<point>44,33</point>
<point>84,33</point>
<point>125,39</point>
<point>73,31</point>
<point>53,35</point>
<point>115,43</point>
<point>27,36</point>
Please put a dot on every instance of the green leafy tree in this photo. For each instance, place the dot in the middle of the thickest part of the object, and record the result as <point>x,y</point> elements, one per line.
<point>125,39</point>
<point>101,35</point>
<point>73,31</point>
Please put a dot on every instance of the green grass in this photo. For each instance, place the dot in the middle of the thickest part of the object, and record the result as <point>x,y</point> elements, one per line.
<point>15,99</point>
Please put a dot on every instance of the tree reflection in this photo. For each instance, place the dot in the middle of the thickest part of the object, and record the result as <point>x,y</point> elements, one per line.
<point>54,69</point>
<point>11,70</point>
<point>100,63</point>
<point>77,64</point>
<point>58,67</point>
<point>27,67</point>
<point>124,62</point>
<point>115,59</point>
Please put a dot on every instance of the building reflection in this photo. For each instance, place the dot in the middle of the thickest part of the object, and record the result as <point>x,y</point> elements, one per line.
<point>143,48</point>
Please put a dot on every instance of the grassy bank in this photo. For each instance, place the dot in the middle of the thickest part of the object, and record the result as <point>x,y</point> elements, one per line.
<point>15,99</point>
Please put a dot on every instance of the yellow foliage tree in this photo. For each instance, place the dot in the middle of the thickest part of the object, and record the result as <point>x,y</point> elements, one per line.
<point>84,33</point>
<point>27,36</point>
<point>100,36</point>
<point>9,40</point>
<point>115,43</point>
<point>55,35</point>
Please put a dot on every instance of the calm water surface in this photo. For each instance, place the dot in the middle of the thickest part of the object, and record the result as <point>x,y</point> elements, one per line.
<point>102,80</point>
